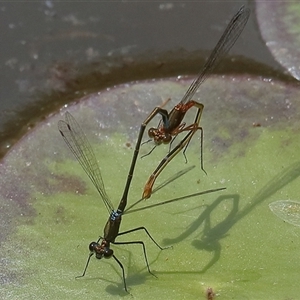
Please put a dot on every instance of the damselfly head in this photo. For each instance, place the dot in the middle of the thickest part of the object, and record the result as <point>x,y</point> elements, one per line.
<point>101,250</point>
<point>159,136</point>
<point>93,246</point>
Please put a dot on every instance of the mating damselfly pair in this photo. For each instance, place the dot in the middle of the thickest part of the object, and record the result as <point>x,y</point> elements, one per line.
<point>170,126</point>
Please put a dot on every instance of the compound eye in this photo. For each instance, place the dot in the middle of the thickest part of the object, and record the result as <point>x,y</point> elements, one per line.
<point>167,139</point>
<point>152,133</point>
<point>93,246</point>
<point>108,253</point>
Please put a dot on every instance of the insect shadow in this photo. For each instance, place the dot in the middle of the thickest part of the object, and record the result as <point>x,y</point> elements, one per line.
<point>210,237</point>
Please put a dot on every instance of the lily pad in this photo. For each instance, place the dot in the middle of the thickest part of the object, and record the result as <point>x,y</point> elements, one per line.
<point>279,24</point>
<point>228,242</point>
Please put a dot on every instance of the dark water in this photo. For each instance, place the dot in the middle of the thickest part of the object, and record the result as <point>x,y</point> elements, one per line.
<point>52,51</point>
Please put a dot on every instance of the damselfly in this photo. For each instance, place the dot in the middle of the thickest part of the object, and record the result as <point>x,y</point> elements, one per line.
<point>171,124</point>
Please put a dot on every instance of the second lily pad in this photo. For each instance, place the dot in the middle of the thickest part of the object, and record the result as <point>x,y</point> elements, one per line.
<point>287,210</point>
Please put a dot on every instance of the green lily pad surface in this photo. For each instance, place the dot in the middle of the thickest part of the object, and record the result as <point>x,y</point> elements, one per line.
<point>279,23</point>
<point>228,242</point>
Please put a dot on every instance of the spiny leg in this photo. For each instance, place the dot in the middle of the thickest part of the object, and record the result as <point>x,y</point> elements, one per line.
<point>141,243</point>
<point>86,265</point>
<point>179,129</point>
<point>193,127</point>
<point>88,260</point>
<point>182,144</point>
<point>149,151</point>
<point>123,272</point>
<point>147,232</point>
<point>144,250</point>
<point>196,127</point>
<point>150,182</point>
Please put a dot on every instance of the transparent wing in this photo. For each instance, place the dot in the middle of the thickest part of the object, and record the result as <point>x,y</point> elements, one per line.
<point>82,150</point>
<point>227,40</point>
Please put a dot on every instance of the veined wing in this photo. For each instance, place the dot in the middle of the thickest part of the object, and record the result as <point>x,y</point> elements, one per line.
<point>82,150</point>
<point>227,40</point>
